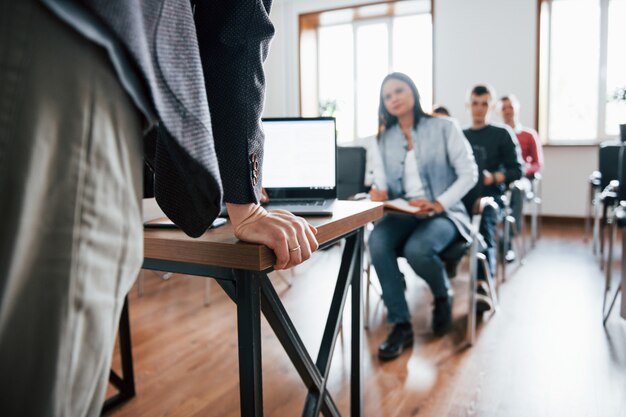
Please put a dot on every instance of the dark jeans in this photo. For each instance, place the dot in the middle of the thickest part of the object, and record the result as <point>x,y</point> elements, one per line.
<point>488,228</point>
<point>419,241</point>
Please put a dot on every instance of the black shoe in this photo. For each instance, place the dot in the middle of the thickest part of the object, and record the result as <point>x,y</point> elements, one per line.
<point>451,267</point>
<point>482,287</point>
<point>483,300</point>
<point>442,315</point>
<point>401,337</point>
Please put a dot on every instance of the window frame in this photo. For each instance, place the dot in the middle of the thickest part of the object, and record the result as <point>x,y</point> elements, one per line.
<point>542,118</point>
<point>311,21</point>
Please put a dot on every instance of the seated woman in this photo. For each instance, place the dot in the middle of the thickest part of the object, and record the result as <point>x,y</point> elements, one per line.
<point>427,161</point>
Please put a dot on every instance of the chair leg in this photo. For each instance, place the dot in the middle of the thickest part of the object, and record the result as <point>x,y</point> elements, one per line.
<point>470,333</point>
<point>207,292</point>
<point>493,292</point>
<point>140,284</point>
<point>588,211</point>
<point>519,241</point>
<point>522,235</point>
<point>608,314</point>
<point>596,224</point>
<point>603,224</point>
<point>368,284</point>
<point>608,273</point>
<point>506,234</point>
<point>534,222</point>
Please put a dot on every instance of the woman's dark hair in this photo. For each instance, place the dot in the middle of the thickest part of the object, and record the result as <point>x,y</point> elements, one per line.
<point>385,119</point>
<point>441,110</point>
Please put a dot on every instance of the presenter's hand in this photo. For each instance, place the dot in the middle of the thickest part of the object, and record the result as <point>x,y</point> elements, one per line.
<point>427,206</point>
<point>488,178</point>
<point>290,237</point>
<point>264,197</point>
<point>378,195</point>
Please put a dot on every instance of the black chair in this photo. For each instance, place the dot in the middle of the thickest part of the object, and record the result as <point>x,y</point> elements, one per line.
<point>614,198</point>
<point>350,171</point>
<point>453,254</point>
<point>608,159</point>
<point>513,225</point>
<point>534,199</point>
<point>593,204</point>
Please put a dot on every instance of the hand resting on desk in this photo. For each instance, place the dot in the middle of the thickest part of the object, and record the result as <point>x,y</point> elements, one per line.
<point>290,237</point>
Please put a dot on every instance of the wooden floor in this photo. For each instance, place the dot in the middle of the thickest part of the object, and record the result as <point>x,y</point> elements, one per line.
<point>545,353</point>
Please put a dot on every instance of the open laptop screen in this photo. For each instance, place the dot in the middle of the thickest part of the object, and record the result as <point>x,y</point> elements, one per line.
<point>300,158</point>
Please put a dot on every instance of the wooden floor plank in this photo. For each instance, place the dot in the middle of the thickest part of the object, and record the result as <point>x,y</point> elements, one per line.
<point>545,353</point>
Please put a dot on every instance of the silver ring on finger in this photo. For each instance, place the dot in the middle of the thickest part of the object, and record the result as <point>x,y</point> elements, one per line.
<point>297,248</point>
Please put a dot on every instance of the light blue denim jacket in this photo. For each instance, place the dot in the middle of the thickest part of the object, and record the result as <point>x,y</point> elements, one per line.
<point>445,162</point>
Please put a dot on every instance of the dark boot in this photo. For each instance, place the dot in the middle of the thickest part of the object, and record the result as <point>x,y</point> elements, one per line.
<point>442,315</point>
<point>401,337</point>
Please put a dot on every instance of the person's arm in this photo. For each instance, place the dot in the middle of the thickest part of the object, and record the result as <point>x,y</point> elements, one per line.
<point>374,168</point>
<point>510,158</point>
<point>234,37</point>
<point>462,160</point>
<point>536,154</point>
<point>532,160</point>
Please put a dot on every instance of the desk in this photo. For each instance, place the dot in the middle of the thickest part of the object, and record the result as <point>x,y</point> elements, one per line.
<point>241,270</point>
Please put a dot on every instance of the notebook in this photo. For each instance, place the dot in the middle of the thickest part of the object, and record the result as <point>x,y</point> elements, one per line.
<point>300,165</point>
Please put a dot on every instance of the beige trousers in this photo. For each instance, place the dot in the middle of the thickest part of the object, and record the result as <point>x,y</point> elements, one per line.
<point>70,218</point>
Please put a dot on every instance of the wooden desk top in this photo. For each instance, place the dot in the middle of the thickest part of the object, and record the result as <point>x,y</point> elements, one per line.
<point>219,247</point>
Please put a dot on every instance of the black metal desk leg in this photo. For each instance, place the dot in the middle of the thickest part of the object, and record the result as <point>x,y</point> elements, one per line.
<point>623,274</point>
<point>249,339</point>
<point>126,383</point>
<point>356,377</point>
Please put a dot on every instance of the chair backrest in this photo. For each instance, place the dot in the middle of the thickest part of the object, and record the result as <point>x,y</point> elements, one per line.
<point>608,157</point>
<point>621,195</point>
<point>350,171</point>
<point>475,193</point>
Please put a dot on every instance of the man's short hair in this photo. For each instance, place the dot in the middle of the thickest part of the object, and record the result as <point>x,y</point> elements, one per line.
<point>481,90</point>
<point>512,98</point>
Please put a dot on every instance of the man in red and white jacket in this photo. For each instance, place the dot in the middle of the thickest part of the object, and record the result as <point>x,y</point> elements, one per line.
<point>528,138</point>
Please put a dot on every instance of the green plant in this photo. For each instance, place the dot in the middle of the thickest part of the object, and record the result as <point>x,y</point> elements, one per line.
<point>619,94</point>
<point>328,108</point>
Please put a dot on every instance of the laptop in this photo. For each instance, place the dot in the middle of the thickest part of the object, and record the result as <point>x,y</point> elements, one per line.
<point>300,165</point>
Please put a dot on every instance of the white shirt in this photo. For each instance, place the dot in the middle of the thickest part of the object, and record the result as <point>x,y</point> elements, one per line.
<point>413,187</point>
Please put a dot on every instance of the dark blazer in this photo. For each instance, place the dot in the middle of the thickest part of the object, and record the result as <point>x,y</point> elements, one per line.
<point>206,83</point>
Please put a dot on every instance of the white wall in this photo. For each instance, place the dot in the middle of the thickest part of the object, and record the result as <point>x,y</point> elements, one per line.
<point>566,171</point>
<point>477,41</point>
<point>485,41</point>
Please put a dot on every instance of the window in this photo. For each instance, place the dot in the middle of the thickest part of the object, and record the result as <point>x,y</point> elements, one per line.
<point>582,66</point>
<point>346,53</point>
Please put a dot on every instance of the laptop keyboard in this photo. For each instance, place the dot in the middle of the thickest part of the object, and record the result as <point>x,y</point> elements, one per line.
<point>311,203</point>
